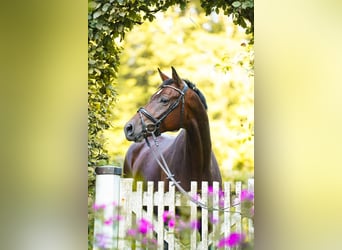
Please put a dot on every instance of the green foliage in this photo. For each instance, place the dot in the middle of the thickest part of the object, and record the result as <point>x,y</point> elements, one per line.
<point>108,23</point>
<point>214,54</point>
<point>242,11</point>
<point>91,201</point>
<point>109,20</point>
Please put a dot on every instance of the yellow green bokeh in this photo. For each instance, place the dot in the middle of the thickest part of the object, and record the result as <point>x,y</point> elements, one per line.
<point>212,53</point>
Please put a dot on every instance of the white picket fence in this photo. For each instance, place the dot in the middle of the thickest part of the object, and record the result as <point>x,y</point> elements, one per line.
<point>138,204</point>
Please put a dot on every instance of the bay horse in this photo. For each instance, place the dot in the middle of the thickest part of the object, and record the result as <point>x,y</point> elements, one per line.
<point>177,104</point>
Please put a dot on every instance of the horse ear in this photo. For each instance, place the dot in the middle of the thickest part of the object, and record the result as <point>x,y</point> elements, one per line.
<point>176,78</point>
<point>162,75</point>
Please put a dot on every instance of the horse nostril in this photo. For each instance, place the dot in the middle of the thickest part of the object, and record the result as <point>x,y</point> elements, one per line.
<point>129,129</point>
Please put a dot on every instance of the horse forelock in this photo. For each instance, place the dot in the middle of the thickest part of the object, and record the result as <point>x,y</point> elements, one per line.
<point>191,86</point>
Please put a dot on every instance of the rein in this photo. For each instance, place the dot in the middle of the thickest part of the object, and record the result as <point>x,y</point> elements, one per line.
<point>163,165</point>
<point>153,129</point>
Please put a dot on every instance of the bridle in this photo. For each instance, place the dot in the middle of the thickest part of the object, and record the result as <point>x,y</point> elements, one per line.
<point>153,128</point>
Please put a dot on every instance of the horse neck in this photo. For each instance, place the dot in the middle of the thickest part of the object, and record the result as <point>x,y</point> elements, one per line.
<point>198,142</point>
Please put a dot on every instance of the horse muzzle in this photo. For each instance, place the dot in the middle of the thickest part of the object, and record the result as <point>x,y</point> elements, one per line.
<point>129,132</point>
<point>146,131</point>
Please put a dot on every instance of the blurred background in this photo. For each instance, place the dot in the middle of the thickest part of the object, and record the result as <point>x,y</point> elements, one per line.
<point>297,111</point>
<point>211,52</point>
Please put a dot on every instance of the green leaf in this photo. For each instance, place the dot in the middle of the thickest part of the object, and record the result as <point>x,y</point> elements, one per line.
<point>92,5</point>
<point>236,4</point>
<point>105,7</point>
<point>97,14</point>
<point>246,5</point>
<point>120,28</point>
<point>98,26</point>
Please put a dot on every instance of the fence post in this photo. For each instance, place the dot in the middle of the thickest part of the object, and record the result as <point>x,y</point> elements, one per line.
<point>107,197</point>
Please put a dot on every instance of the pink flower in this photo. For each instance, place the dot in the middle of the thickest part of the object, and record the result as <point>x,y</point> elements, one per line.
<point>181,226</point>
<point>213,220</point>
<point>169,219</point>
<point>102,240</point>
<point>98,206</point>
<point>166,216</point>
<point>221,202</point>
<point>246,195</point>
<point>154,241</point>
<point>144,226</point>
<point>196,197</point>
<point>210,190</point>
<point>171,223</point>
<point>232,240</point>
<point>118,217</point>
<point>221,243</point>
<point>131,232</point>
<point>109,221</point>
<point>194,225</point>
<point>144,241</point>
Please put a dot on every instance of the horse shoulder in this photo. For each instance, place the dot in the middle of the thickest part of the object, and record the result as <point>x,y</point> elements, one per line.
<point>165,141</point>
<point>131,156</point>
<point>139,160</point>
<point>127,163</point>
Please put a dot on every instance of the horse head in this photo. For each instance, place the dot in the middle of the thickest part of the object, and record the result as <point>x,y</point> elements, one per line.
<point>189,157</point>
<point>164,112</point>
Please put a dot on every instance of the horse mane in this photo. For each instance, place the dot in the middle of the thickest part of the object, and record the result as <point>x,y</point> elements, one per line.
<point>191,86</point>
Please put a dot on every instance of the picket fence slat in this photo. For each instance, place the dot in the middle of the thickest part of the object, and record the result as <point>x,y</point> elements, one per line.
<point>204,243</point>
<point>213,216</point>
<point>227,204</point>
<point>237,215</point>
<point>137,201</point>
<point>172,210</point>
<point>148,199</point>
<point>124,225</point>
<point>193,215</point>
<point>151,205</point>
<point>160,225</point>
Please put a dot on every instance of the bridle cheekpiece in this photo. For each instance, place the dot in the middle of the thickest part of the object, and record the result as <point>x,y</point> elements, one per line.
<point>153,128</point>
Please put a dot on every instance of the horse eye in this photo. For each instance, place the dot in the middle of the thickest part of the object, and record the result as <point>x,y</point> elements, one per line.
<point>164,100</point>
